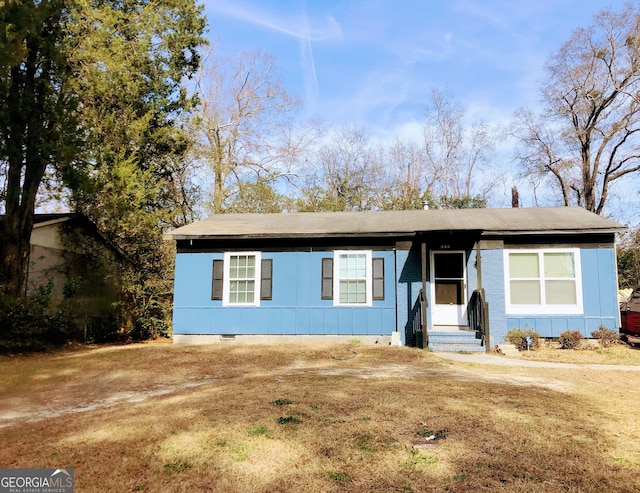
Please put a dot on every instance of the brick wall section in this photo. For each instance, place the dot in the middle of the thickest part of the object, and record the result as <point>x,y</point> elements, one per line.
<point>493,283</point>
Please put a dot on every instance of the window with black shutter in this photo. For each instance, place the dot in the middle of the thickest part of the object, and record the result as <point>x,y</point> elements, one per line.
<point>327,279</point>
<point>217,280</point>
<point>378,278</point>
<point>266,279</point>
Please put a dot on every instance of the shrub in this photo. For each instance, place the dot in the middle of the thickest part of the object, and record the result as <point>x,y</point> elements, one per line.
<point>570,339</point>
<point>105,327</point>
<point>30,323</point>
<point>606,337</point>
<point>518,337</point>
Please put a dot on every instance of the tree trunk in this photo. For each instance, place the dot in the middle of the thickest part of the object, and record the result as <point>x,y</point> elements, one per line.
<point>14,258</point>
<point>218,191</point>
<point>26,138</point>
<point>17,224</point>
<point>515,197</point>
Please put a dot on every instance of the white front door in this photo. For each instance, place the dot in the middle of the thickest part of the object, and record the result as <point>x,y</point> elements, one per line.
<point>448,288</point>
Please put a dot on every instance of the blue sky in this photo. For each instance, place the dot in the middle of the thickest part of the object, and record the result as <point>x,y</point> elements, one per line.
<point>375,62</point>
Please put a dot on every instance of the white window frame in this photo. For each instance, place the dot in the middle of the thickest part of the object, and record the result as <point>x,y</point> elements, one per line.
<point>544,308</point>
<point>368,277</point>
<point>226,287</point>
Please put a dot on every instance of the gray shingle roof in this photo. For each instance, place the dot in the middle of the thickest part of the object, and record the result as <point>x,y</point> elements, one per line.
<point>545,220</point>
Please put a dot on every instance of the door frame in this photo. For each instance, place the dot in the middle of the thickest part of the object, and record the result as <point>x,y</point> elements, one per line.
<point>454,316</point>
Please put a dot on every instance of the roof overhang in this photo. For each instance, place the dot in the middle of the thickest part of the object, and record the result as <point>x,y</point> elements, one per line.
<point>399,224</point>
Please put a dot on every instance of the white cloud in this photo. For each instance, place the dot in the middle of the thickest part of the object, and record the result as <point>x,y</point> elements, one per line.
<point>293,22</point>
<point>289,24</point>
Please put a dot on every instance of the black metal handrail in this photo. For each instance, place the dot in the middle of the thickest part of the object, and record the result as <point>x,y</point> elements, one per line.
<point>479,316</point>
<point>419,322</point>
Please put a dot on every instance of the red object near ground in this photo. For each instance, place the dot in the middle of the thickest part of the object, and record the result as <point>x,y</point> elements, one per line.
<point>630,317</point>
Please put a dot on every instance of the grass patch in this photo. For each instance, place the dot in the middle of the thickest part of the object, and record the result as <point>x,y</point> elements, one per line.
<point>176,467</point>
<point>619,354</point>
<point>338,476</point>
<point>365,444</point>
<point>258,431</point>
<point>622,461</point>
<point>239,452</point>
<point>201,422</point>
<point>418,458</point>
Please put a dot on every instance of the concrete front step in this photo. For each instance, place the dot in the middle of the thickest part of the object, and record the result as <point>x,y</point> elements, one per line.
<point>456,348</point>
<point>454,342</point>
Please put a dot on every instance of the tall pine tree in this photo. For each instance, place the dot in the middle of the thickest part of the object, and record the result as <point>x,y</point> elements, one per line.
<point>87,87</point>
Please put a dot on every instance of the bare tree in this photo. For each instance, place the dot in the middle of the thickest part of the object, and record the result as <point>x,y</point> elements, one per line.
<point>455,153</point>
<point>181,190</point>
<point>586,137</point>
<point>402,185</point>
<point>243,127</point>
<point>344,175</point>
<point>445,169</point>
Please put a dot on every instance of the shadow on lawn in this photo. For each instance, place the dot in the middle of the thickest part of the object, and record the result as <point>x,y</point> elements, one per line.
<point>331,432</point>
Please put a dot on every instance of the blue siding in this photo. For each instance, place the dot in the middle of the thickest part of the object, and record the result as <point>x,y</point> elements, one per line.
<point>296,307</point>
<point>493,285</point>
<point>599,291</point>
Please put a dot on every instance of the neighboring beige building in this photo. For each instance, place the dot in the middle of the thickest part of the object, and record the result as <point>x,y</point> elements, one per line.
<point>81,264</point>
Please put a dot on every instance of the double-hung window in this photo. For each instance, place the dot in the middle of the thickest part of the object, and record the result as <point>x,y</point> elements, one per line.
<point>352,278</point>
<point>242,274</point>
<point>242,279</point>
<point>543,281</point>
<point>352,271</point>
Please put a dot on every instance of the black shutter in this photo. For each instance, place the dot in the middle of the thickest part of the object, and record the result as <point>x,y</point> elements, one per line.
<point>378,278</point>
<point>266,278</point>
<point>216,280</point>
<point>327,279</point>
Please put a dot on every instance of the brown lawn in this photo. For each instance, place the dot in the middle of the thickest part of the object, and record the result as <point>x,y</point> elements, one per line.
<point>298,418</point>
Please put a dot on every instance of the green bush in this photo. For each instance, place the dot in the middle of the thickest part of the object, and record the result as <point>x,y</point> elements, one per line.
<point>606,337</point>
<point>105,328</point>
<point>30,323</point>
<point>518,337</point>
<point>570,339</point>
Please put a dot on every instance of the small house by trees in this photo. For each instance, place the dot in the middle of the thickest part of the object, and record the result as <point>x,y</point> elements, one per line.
<point>78,261</point>
<point>395,275</point>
